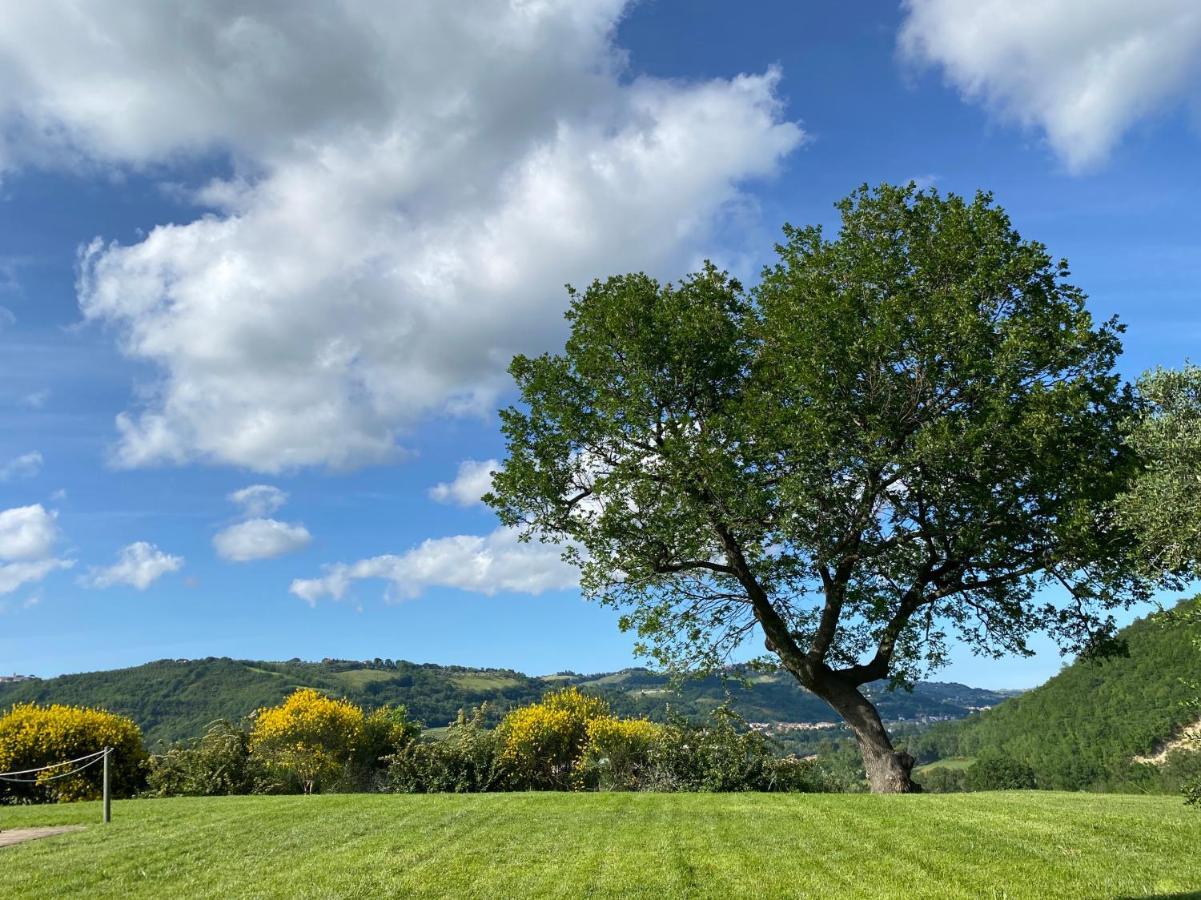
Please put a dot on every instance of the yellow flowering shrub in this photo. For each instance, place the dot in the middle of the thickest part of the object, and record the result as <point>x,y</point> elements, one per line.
<point>542,743</point>
<point>308,739</point>
<point>581,707</point>
<point>617,752</point>
<point>33,736</point>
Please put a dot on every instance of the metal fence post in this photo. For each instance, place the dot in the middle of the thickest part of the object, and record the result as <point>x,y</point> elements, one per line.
<point>108,810</point>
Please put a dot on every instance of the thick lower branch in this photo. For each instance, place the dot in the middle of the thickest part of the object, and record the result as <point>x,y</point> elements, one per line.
<point>888,771</point>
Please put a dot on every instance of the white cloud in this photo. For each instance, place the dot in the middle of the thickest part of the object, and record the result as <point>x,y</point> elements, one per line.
<point>472,482</point>
<point>15,574</point>
<point>497,562</point>
<point>259,499</point>
<point>1084,71</point>
<point>138,565</point>
<point>412,187</point>
<point>260,539</point>
<point>27,538</point>
<point>257,536</point>
<point>27,533</point>
<point>6,317</point>
<point>25,466</point>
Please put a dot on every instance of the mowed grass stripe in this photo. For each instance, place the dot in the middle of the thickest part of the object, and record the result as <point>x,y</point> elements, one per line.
<point>613,845</point>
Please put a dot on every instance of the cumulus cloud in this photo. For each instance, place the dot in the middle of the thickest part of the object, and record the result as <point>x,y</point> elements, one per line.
<point>411,188</point>
<point>257,536</point>
<point>27,533</point>
<point>259,499</point>
<point>138,565</point>
<point>27,538</point>
<point>497,562</point>
<point>260,539</point>
<point>26,465</point>
<point>472,482</point>
<point>1083,71</point>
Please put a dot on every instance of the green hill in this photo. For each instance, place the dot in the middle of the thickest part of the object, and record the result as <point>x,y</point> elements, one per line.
<point>1083,728</point>
<point>172,699</point>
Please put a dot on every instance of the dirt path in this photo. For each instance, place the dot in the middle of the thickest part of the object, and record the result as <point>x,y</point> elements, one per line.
<point>10,836</point>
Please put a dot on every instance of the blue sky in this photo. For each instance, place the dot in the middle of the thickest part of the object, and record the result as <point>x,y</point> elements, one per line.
<point>295,249</point>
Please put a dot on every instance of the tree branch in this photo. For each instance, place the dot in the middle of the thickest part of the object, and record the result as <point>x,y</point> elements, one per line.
<point>779,638</point>
<point>692,565</point>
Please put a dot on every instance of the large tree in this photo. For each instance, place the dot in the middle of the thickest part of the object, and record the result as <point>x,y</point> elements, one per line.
<point>895,439</point>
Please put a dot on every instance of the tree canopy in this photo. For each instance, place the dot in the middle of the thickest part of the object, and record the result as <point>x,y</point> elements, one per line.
<point>898,435</point>
<point>1163,506</point>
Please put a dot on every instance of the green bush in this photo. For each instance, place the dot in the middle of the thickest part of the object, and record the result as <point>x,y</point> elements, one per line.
<point>1000,773</point>
<point>943,780</point>
<point>792,775</point>
<point>1192,792</point>
<point>218,763</point>
<point>726,759</point>
<point>466,760</point>
<point>723,757</point>
<point>386,732</point>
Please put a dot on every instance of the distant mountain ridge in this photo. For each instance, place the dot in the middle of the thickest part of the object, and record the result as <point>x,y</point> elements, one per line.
<point>172,699</point>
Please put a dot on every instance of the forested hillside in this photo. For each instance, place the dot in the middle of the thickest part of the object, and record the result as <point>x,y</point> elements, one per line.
<point>1082,729</point>
<point>173,699</point>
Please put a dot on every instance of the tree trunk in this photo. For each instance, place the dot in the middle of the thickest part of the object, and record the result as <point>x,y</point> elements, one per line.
<point>888,771</point>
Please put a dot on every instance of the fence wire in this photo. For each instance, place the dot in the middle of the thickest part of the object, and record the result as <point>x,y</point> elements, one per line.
<point>92,759</point>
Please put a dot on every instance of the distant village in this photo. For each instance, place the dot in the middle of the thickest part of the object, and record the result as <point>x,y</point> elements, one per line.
<point>782,727</point>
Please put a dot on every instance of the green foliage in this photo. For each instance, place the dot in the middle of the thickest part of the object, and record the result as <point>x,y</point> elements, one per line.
<point>1192,792</point>
<point>926,380</point>
<point>999,773</point>
<point>1082,729</point>
<point>943,780</point>
<point>386,731</point>
<point>465,760</point>
<point>216,764</point>
<point>722,756</point>
<point>1163,507</point>
<point>1180,771</point>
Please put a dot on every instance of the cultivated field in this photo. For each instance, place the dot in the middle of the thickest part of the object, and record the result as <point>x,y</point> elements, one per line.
<point>602,845</point>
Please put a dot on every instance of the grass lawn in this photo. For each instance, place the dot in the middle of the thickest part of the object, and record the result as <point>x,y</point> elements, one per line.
<point>610,845</point>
